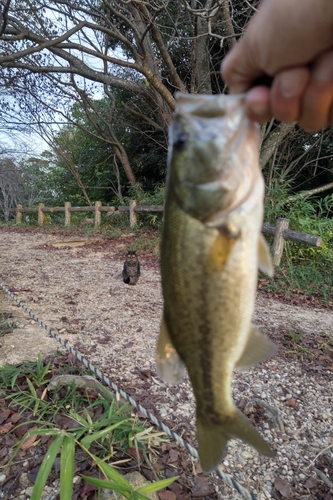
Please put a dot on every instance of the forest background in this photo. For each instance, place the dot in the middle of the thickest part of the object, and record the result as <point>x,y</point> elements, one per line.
<point>96,80</point>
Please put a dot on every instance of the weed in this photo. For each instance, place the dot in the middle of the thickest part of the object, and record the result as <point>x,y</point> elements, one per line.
<point>9,375</point>
<point>148,242</point>
<point>5,325</point>
<point>294,337</point>
<point>95,422</point>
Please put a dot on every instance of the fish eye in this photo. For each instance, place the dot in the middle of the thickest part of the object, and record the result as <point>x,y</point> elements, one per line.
<point>179,142</point>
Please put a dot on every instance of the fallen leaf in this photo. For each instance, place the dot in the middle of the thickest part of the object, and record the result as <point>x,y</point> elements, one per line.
<point>4,414</point>
<point>176,488</point>
<point>32,474</point>
<point>28,442</point>
<point>87,487</point>
<point>310,483</point>
<point>173,456</point>
<point>4,429</point>
<point>166,495</point>
<point>103,341</point>
<point>65,422</point>
<point>283,487</point>
<point>15,417</point>
<point>198,468</point>
<point>202,490</point>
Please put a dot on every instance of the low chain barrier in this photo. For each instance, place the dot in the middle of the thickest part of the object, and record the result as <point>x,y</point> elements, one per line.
<point>227,479</point>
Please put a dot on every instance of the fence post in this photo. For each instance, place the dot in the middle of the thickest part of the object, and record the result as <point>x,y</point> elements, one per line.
<point>18,214</point>
<point>278,243</point>
<point>97,213</point>
<point>67,213</point>
<point>133,216</point>
<point>40,214</point>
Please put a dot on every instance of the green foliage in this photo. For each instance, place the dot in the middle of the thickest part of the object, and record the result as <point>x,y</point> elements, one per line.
<point>38,371</point>
<point>156,197</point>
<point>304,269</point>
<point>307,215</point>
<point>116,482</point>
<point>302,278</point>
<point>87,148</point>
<point>113,428</point>
<point>6,325</point>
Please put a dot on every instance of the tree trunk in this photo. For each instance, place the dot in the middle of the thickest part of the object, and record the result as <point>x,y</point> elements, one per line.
<point>202,58</point>
<point>273,140</point>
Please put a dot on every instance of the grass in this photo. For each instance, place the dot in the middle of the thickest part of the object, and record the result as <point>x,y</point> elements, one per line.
<point>6,325</point>
<point>310,279</point>
<point>294,338</point>
<point>68,419</point>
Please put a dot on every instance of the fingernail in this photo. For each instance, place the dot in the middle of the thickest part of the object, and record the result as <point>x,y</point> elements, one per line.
<point>291,83</point>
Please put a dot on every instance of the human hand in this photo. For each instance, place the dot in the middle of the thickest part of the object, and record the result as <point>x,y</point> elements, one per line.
<point>292,42</point>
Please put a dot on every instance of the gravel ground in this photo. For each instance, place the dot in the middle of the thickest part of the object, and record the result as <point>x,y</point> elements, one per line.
<point>74,291</point>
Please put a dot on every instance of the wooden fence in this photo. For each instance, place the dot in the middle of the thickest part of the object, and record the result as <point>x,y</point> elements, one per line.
<point>281,231</point>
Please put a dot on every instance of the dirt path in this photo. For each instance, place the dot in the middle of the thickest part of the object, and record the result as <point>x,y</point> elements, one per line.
<point>115,326</point>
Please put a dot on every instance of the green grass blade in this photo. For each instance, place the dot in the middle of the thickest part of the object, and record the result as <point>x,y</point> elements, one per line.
<point>110,485</point>
<point>111,473</point>
<point>139,496</point>
<point>80,420</point>
<point>46,467</point>
<point>32,389</point>
<point>67,468</point>
<point>157,485</point>
<point>86,441</point>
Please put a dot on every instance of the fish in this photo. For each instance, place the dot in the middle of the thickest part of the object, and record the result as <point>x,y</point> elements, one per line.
<point>212,247</point>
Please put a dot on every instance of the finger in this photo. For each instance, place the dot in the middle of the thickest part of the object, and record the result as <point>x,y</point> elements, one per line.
<point>257,104</point>
<point>286,93</point>
<point>318,97</point>
<point>237,70</point>
<point>330,117</point>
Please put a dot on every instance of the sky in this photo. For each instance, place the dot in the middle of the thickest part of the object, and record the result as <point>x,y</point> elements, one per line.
<point>22,144</point>
<point>33,143</point>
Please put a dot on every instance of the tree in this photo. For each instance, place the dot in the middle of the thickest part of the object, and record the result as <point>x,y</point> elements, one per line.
<point>123,61</point>
<point>145,49</point>
<point>23,182</point>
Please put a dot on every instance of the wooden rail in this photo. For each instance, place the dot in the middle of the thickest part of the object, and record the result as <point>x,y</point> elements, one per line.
<point>281,231</point>
<point>133,208</point>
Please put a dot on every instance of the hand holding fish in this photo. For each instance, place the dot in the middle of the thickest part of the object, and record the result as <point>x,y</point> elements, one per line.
<point>290,41</point>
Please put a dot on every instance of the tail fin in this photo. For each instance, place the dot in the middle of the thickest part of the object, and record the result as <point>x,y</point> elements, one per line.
<point>212,439</point>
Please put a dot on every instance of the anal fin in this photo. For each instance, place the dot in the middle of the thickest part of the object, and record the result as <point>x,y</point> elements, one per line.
<point>169,365</point>
<point>257,349</point>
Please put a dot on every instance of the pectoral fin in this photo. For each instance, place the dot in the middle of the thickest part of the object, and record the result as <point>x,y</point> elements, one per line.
<point>265,261</point>
<point>257,349</point>
<point>169,365</point>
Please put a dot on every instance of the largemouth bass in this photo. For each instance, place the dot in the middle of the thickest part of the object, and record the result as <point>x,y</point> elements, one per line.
<point>212,247</point>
